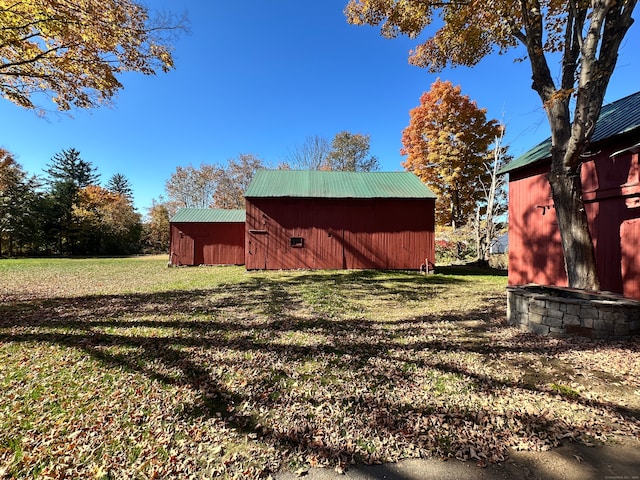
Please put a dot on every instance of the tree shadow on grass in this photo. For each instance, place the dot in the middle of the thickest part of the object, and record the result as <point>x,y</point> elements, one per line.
<point>326,417</point>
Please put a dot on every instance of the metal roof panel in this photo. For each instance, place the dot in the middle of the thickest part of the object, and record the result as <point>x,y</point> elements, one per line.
<point>208,215</point>
<point>330,184</point>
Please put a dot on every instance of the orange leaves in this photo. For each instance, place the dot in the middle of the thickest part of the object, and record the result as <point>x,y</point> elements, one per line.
<point>395,17</point>
<point>105,215</point>
<point>446,144</point>
<point>470,30</point>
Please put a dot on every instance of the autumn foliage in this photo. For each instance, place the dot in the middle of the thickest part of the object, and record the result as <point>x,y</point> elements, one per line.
<point>73,51</point>
<point>106,221</point>
<point>67,212</point>
<point>446,145</point>
<point>580,39</point>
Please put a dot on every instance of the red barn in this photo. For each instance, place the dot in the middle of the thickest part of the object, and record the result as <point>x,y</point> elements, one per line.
<point>611,194</point>
<point>338,220</point>
<point>204,236</point>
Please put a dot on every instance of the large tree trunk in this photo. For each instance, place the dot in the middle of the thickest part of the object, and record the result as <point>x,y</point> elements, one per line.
<point>568,144</point>
<point>577,244</point>
<point>593,35</point>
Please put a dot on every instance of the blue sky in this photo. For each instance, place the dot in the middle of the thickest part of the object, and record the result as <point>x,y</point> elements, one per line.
<point>259,77</point>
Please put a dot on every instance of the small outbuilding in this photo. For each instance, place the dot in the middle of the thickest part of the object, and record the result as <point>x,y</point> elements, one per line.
<point>205,236</point>
<point>339,220</point>
<point>611,195</point>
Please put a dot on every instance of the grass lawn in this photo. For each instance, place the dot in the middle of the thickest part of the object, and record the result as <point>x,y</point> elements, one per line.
<point>124,368</point>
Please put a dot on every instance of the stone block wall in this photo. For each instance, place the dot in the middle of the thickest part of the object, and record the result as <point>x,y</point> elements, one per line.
<point>560,312</point>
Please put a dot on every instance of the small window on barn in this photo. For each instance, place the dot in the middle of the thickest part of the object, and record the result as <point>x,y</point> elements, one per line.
<point>297,242</point>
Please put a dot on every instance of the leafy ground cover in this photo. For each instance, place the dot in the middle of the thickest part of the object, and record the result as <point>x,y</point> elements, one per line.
<point>124,368</point>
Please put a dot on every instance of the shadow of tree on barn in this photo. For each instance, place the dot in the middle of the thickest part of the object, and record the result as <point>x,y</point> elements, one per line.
<point>300,365</point>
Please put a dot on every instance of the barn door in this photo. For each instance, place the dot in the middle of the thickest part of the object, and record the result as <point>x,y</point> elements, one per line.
<point>198,250</point>
<point>185,250</point>
<point>629,239</point>
<point>258,248</point>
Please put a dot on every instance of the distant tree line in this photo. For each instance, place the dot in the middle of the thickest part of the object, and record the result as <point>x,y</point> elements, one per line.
<point>67,211</point>
<point>223,186</point>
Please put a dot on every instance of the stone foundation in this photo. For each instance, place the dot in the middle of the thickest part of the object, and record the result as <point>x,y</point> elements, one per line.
<point>561,312</point>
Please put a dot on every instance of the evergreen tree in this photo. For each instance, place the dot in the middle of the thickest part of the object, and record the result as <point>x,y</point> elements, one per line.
<point>68,166</point>
<point>67,174</point>
<point>118,183</point>
<point>19,219</point>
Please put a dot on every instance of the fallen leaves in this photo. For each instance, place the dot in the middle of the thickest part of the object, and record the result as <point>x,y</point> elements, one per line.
<point>241,375</point>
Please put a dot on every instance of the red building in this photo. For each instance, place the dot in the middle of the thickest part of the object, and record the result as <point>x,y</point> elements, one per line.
<point>204,236</point>
<point>338,220</point>
<point>611,194</point>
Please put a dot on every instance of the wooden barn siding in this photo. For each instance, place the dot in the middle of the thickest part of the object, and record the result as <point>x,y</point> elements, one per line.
<point>535,251</point>
<point>207,243</point>
<point>339,234</point>
<point>611,190</point>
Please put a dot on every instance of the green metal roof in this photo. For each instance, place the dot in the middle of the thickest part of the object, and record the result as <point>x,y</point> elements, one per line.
<point>326,184</point>
<point>536,154</point>
<point>616,118</point>
<point>208,215</point>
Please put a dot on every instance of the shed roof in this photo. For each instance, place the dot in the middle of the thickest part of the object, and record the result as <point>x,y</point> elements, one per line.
<point>208,215</point>
<point>615,118</point>
<point>329,184</point>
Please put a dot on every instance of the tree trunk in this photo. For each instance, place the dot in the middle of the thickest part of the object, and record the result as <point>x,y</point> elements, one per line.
<point>566,191</point>
<point>490,229</point>
<point>590,54</point>
<point>477,232</point>
<point>577,244</point>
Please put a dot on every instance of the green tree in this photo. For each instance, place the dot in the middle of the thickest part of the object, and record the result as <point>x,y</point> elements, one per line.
<point>19,207</point>
<point>68,166</point>
<point>67,174</point>
<point>118,183</point>
<point>582,38</point>
<point>350,153</point>
<point>73,52</point>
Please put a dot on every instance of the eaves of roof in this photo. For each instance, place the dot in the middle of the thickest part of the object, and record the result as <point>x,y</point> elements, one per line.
<point>616,118</point>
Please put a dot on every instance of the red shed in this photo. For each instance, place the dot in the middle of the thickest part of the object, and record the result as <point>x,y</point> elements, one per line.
<point>611,194</point>
<point>338,220</point>
<point>204,236</point>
